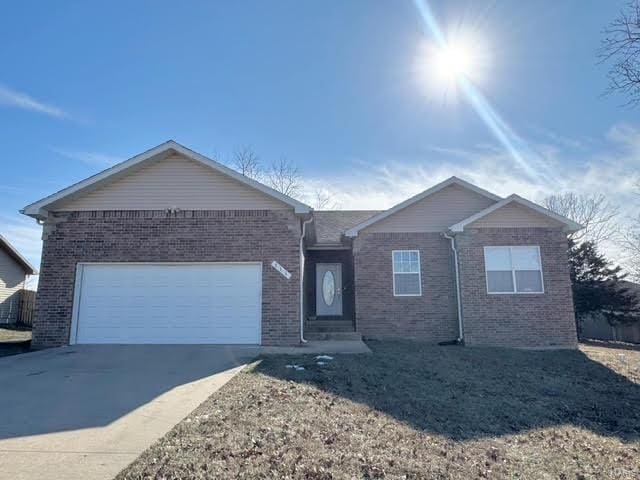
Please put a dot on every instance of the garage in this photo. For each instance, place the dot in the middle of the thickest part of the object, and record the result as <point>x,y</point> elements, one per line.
<point>134,303</point>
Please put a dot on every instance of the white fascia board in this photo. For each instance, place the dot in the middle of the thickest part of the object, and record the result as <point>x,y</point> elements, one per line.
<point>569,225</point>
<point>38,209</point>
<point>353,232</point>
<point>29,269</point>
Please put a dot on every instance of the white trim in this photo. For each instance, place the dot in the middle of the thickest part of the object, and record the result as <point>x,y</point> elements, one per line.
<point>419,272</point>
<point>38,209</point>
<point>570,225</point>
<point>452,239</point>
<point>26,266</point>
<point>75,311</point>
<point>513,271</point>
<point>353,232</point>
<point>302,267</point>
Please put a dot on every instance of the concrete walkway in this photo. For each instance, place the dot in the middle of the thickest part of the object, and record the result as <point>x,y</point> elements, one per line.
<point>313,347</point>
<point>86,412</point>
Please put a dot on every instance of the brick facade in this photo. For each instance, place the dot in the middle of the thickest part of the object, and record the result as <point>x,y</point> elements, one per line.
<point>530,320</point>
<point>157,236</point>
<point>430,317</point>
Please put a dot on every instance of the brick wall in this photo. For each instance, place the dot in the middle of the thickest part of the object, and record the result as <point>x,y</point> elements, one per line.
<point>531,320</point>
<point>155,236</point>
<point>430,317</point>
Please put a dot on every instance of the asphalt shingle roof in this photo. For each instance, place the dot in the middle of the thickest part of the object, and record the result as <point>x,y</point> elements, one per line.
<point>331,224</point>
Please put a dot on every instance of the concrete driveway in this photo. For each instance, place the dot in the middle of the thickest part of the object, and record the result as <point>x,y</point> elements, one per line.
<point>86,412</point>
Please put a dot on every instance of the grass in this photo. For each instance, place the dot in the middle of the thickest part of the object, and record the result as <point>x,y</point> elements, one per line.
<point>415,411</point>
<point>14,339</point>
<point>14,333</point>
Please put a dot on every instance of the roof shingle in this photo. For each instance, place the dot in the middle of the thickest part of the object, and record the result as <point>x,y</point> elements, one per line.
<point>331,224</point>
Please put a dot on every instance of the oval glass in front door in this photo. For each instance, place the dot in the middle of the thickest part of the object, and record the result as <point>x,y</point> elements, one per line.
<point>328,288</point>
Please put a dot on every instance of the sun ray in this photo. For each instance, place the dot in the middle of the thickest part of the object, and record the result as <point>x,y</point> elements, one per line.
<point>455,62</point>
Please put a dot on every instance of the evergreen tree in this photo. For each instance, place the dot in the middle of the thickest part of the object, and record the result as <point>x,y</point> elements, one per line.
<point>598,286</point>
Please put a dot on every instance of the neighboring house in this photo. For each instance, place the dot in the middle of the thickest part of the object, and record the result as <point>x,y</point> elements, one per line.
<point>173,247</point>
<point>14,269</point>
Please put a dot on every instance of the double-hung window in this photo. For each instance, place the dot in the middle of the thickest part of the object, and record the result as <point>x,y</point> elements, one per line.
<point>406,273</point>
<point>513,269</point>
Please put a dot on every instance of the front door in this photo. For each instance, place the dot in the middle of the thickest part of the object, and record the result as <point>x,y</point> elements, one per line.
<point>328,289</point>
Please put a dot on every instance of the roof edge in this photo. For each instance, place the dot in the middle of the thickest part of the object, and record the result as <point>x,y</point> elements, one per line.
<point>353,232</point>
<point>38,209</point>
<point>570,225</point>
<point>27,267</point>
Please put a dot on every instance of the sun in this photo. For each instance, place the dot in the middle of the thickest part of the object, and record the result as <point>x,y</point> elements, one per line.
<point>444,67</point>
<point>453,61</point>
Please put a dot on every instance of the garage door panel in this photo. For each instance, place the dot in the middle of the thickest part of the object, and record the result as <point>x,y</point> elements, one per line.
<point>200,303</point>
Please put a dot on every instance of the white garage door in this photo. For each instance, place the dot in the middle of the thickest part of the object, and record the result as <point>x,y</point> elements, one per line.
<point>168,303</point>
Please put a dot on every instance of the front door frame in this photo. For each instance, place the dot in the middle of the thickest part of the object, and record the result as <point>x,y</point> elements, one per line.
<point>337,269</point>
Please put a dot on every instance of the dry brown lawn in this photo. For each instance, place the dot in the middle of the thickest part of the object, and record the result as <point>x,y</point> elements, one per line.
<point>14,339</point>
<point>415,411</point>
<point>12,333</point>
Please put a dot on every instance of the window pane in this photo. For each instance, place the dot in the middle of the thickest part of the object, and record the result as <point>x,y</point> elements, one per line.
<point>500,282</point>
<point>525,258</point>
<point>397,257</point>
<point>413,256</point>
<point>497,258</point>
<point>529,281</point>
<point>407,284</point>
<point>414,267</point>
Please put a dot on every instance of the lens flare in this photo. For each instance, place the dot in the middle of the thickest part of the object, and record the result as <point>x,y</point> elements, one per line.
<point>457,62</point>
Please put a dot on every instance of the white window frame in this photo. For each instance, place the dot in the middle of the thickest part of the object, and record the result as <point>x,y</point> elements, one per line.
<point>513,271</point>
<point>394,273</point>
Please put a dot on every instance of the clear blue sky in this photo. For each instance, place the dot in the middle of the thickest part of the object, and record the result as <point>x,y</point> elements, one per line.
<point>330,85</point>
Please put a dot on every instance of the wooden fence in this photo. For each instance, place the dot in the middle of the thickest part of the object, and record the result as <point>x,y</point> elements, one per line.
<point>27,307</point>
<point>597,327</point>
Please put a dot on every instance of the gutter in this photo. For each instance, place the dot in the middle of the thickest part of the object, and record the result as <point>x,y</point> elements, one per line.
<point>452,238</point>
<point>304,230</point>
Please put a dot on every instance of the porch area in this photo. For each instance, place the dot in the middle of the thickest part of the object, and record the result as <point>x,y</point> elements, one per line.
<point>329,295</point>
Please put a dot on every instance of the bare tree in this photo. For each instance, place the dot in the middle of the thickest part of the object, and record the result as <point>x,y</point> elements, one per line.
<point>621,48</point>
<point>321,199</point>
<point>593,211</point>
<point>284,177</point>
<point>247,163</point>
<point>631,243</point>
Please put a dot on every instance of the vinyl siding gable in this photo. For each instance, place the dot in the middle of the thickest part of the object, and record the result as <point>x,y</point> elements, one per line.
<point>513,215</point>
<point>174,182</point>
<point>434,213</point>
<point>11,282</point>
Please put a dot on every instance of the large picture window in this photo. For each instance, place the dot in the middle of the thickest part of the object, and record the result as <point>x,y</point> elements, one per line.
<point>406,273</point>
<point>513,269</point>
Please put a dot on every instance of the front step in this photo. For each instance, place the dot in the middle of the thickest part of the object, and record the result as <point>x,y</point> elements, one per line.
<point>333,335</point>
<point>328,326</point>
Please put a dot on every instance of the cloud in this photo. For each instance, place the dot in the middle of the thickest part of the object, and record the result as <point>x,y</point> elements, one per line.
<point>90,158</point>
<point>610,167</point>
<point>12,98</point>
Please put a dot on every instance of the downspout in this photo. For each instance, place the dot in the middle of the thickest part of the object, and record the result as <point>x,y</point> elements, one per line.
<point>304,230</point>
<point>452,239</point>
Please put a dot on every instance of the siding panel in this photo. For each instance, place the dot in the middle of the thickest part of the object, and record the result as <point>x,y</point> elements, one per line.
<point>515,216</point>
<point>174,182</point>
<point>434,213</point>
<point>11,282</point>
